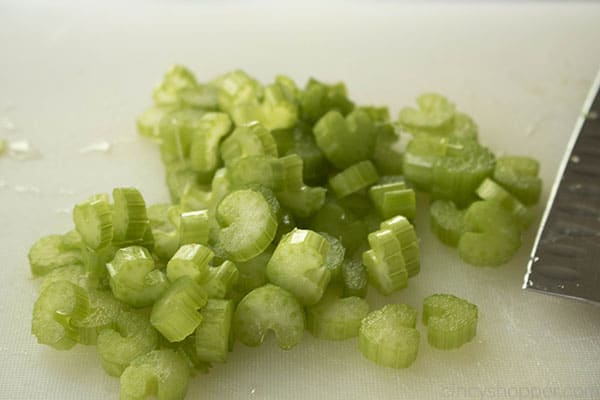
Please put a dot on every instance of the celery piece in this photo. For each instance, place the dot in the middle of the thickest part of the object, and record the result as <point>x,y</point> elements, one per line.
<point>318,98</point>
<point>179,176</point>
<point>129,219</point>
<point>338,222</point>
<point>189,260</point>
<point>385,263</point>
<point>49,253</point>
<point>276,111</point>
<point>393,199</point>
<point>130,337</point>
<point>298,265</point>
<point>166,244</point>
<point>435,112</point>
<point>220,280</point>
<point>491,236</point>
<point>335,255</point>
<point>451,321</point>
<point>193,227</point>
<point>304,201</point>
<point>175,314</point>
<point>406,235</point>
<point>175,80</point>
<point>204,147</point>
<point>148,122</point>
<point>253,273</point>
<point>76,274</point>
<point>212,335</point>
<point>93,221</point>
<point>265,171</point>
<point>247,224</point>
<point>250,139</point>
<point>56,311</point>
<point>464,127</point>
<point>345,141</point>
<point>269,308</point>
<point>354,278</point>
<point>490,190</point>
<point>518,175</point>
<point>388,336</point>
<point>377,114</point>
<point>420,156</point>
<point>236,88</point>
<point>176,132</point>
<point>314,164</point>
<point>104,313</point>
<point>334,318</point>
<point>447,222</point>
<point>162,374</point>
<point>354,178</point>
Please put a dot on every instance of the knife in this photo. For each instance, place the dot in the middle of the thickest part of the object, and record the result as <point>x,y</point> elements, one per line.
<point>565,259</point>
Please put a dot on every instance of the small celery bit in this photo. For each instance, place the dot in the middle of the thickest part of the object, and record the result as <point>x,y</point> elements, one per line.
<point>251,139</point>
<point>193,227</point>
<point>212,335</point>
<point>219,281</point>
<point>93,221</point>
<point>161,374</point>
<point>176,131</point>
<point>447,222</point>
<point>298,265</point>
<point>490,190</point>
<point>178,87</point>
<point>518,175</point>
<point>195,197</point>
<point>392,199</point>
<point>175,314</point>
<point>77,274</point>
<point>379,115</point>
<point>277,110</point>
<point>179,177</point>
<point>385,262</point>
<point>387,160</point>
<point>133,277</point>
<point>253,273</point>
<point>319,98</point>
<point>269,308</point>
<point>340,223</point>
<point>354,279</point>
<point>52,252</point>
<point>388,336</point>
<point>56,311</point>
<point>129,219</point>
<point>435,112</point>
<point>95,263</point>
<point>237,88</point>
<point>334,318</point>
<point>315,166</point>
<point>464,127</point>
<point>354,179</point>
<point>302,200</point>
<point>247,224</point>
<point>204,148</point>
<point>104,313</point>
<point>148,122</point>
<point>335,255</point>
<point>406,235</point>
<point>451,321</point>
<point>130,337</point>
<point>265,171</point>
<point>491,235</point>
<point>345,141</point>
<point>420,155</point>
<point>189,260</point>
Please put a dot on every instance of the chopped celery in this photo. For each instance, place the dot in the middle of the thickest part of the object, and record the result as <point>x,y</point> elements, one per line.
<point>451,321</point>
<point>193,227</point>
<point>490,190</point>
<point>354,178</point>
<point>189,260</point>
<point>251,139</point>
<point>354,278</point>
<point>518,175</point>
<point>93,221</point>
<point>148,122</point>
<point>388,336</point>
<point>204,148</point>
<point>335,255</point>
<point>236,88</point>
<point>385,263</point>
<point>212,335</point>
<point>130,219</point>
<point>104,313</point>
<point>447,222</point>
<point>265,309</point>
<point>435,112</point>
<point>253,273</point>
<point>277,110</point>
<point>319,98</point>
<point>219,281</point>
<point>49,253</point>
<point>334,318</point>
<point>387,160</point>
<point>256,170</point>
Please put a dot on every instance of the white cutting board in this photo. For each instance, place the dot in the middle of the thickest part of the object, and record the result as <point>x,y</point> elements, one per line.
<point>73,75</point>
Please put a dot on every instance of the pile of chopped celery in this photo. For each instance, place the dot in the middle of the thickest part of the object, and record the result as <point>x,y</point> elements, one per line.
<point>287,204</point>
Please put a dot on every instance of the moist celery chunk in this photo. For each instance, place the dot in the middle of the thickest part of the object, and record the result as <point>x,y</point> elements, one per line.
<point>334,318</point>
<point>49,253</point>
<point>451,321</point>
<point>212,335</point>
<point>447,221</point>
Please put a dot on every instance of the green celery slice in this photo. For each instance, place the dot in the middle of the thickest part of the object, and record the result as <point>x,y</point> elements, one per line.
<point>388,336</point>
<point>304,201</point>
<point>129,219</point>
<point>77,274</point>
<point>104,313</point>
<point>354,179</point>
<point>490,190</point>
<point>447,221</point>
<point>345,141</point>
<point>253,273</point>
<point>518,175</point>
<point>49,253</point>
<point>250,139</point>
<point>130,337</point>
<point>175,314</point>
<point>236,88</point>
<point>451,321</point>
<point>298,265</point>
<point>212,335</point>
<point>385,263</point>
<point>93,221</point>
<point>269,308</point>
<point>406,235</point>
<point>219,281</point>
<point>189,260</point>
<point>260,170</point>
<point>420,156</point>
<point>318,98</point>
<point>194,227</point>
<point>204,148</point>
<point>335,255</point>
<point>177,79</point>
<point>334,318</point>
<point>176,131</point>
<point>435,112</point>
<point>387,160</point>
<point>314,164</point>
<point>163,374</point>
<point>56,311</point>
<point>354,278</point>
<point>247,223</point>
<point>148,122</point>
<point>276,111</point>
<point>338,222</point>
<point>379,114</point>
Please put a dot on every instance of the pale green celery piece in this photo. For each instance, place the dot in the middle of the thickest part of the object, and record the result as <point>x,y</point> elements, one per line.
<point>490,190</point>
<point>304,201</point>
<point>236,88</point>
<point>335,255</point>
<point>56,311</point>
<point>130,337</point>
<point>253,273</point>
<point>406,235</point>
<point>464,127</point>
<point>204,97</point>
<point>388,336</point>
<point>175,314</point>
<point>247,224</point>
<point>435,112</point>
<point>319,98</point>
<point>129,219</point>
<point>189,260</point>
<point>220,280</point>
<point>104,313</point>
<point>276,111</point>
<point>399,202</point>
<point>385,157</point>
<point>204,148</point>
<point>72,240</point>
<point>289,87</point>
<point>195,197</point>
<point>76,274</point>
<point>491,235</point>
<point>177,79</point>
<point>385,263</point>
<point>220,188</point>
<point>93,221</point>
<point>158,215</point>
<point>292,165</point>
<point>165,244</point>
<point>451,321</point>
<point>354,179</point>
<point>265,309</point>
<point>286,223</point>
<point>334,318</point>
<point>49,253</point>
<point>193,227</point>
<point>447,221</point>
<point>354,278</point>
<point>265,171</point>
<point>519,175</point>
<point>298,265</point>
<point>95,263</point>
<point>179,177</point>
<point>160,374</point>
<point>176,131</point>
<point>249,139</point>
<point>315,165</point>
<point>212,335</point>
<point>420,155</point>
<point>148,122</point>
<point>133,278</point>
<point>345,141</point>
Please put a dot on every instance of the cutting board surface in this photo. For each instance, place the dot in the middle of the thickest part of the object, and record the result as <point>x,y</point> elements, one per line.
<point>74,75</point>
